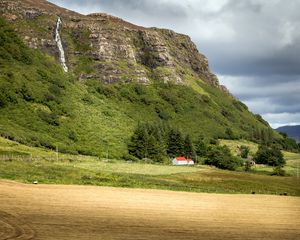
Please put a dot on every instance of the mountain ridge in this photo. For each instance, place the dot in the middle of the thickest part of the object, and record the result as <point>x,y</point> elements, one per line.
<point>293,131</point>
<point>103,41</point>
<point>117,78</point>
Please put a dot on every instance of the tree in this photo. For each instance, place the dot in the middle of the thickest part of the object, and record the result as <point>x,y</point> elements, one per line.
<point>138,142</point>
<point>283,134</point>
<point>244,151</point>
<point>221,157</point>
<point>271,156</point>
<point>201,147</point>
<point>175,143</point>
<point>188,148</point>
<point>147,142</point>
<point>229,134</point>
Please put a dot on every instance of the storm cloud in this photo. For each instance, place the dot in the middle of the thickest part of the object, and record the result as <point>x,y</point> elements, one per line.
<point>253,45</point>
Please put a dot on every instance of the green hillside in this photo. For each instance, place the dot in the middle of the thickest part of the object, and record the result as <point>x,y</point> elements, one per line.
<point>40,105</point>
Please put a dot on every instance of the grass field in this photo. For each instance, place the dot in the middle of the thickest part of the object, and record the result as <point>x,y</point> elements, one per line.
<point>292,167</point>
<point>42,165</point>
<point>51,212</point>
<point>233,144</point>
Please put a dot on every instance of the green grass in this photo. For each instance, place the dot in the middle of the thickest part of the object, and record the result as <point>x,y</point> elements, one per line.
<point>131,168</point>
<point>87,170</point>
<point>137,175</point>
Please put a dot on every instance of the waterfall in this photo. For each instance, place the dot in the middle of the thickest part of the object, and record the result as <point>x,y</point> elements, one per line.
<point>59,45</point>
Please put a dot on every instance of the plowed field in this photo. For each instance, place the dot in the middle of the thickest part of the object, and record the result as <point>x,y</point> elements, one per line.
<point>87,212</point>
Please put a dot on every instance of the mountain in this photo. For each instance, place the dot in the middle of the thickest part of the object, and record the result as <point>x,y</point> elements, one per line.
<point>291,131</point>
<point>83,83</point>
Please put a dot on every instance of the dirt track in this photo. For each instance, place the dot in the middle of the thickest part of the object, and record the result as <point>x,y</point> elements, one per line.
<point>81,212</point>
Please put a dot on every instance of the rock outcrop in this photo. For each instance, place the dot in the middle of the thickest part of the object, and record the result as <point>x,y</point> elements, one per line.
<point>106,48</point>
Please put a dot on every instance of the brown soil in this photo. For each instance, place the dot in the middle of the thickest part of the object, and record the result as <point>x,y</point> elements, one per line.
<point>86,212</point>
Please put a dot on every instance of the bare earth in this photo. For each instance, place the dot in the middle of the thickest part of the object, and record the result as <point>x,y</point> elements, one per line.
<point>87,212</point>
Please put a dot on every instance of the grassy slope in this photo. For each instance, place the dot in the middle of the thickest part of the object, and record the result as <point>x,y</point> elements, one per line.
<point>292,166</point>
<point>89,170</point>
<point>40,105</point>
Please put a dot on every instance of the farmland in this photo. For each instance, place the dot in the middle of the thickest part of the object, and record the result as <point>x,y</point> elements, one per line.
<point>45,166</point>
<point>91,205</point>
<point>88,212</point>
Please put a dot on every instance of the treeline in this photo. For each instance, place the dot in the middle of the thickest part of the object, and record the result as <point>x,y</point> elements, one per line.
<point>160,142</point>
<point>266,136</point>
<point>287,143</point>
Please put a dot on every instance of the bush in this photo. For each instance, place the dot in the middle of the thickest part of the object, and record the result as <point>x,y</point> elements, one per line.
<point>245,151</point>
<point>129,157</point>
<point>50,118</point>
<point>221,157</point>
<point>229,134</point>
<point>162,113</point>
<point>248,165</point>
<point>73,136</point>
<point>271,156</point>
<point>239,105</point>
<point>278,171</point>
<point>214,141</point>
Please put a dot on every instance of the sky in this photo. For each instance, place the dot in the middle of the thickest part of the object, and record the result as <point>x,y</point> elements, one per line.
<point>253,46</point>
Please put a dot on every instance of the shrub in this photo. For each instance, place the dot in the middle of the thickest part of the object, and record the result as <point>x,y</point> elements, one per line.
<point>278,171</point>
<point>214,141</point>
<point>129,157</point>
<point>162,113</point>
<point>229,134</point>
<point>73,136</point>
<point>248,165</point>
<point>50,118</point>
<point>260,119</point>
<point>239,105</point>
<point>245,151</point>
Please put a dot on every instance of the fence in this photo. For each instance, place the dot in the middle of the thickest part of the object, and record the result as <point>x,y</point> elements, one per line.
<point>39,158</point>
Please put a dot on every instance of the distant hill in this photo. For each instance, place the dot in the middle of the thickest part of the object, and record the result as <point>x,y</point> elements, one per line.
<point>291,131</point>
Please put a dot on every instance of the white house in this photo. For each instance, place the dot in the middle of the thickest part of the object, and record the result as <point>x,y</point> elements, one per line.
<point>182,161</point>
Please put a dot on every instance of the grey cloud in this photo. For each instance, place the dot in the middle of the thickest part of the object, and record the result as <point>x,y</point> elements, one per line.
<point>282,119</point>
<point>271,94</point>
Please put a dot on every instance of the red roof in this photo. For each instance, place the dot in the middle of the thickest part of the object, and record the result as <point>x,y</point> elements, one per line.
<point>180,158</point>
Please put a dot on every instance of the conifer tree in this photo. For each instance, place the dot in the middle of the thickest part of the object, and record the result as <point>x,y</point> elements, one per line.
<point>201,147</point>
<point>147,142</point>
<point>188,147</point>
<point>138,142</point>
<point>175,143</point>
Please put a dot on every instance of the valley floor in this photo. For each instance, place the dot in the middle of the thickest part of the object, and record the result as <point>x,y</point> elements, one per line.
<point>90,212</point>
<point>27,164</point>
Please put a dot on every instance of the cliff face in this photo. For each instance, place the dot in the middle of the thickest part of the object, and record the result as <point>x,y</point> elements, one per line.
<point>106,48</point>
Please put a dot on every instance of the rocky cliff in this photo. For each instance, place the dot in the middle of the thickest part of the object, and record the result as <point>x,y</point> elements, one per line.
<point>106,48</point>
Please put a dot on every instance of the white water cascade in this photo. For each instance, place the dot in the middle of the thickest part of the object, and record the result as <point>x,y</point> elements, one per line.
<point>59,45</point>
